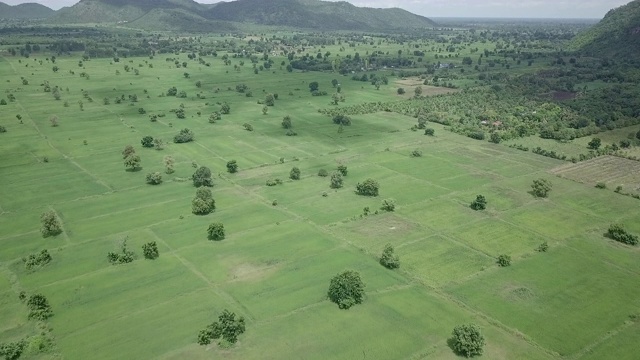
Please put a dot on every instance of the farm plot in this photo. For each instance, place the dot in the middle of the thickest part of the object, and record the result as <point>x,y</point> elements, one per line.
<point>611,170</point>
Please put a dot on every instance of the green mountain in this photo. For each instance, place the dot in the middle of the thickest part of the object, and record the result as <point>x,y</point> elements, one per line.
<point>315,14</point>
<point>25,11</point>
<point>616,35</point>
<point>188,15</point>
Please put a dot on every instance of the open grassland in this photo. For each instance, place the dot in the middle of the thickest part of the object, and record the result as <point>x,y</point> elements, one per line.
<point>274,266</point>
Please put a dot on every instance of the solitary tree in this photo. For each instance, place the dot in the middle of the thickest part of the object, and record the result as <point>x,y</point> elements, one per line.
<point>132,162</point>
<point>336,180</point>
<point>154,178</point>
<point>269,100</point>
<point>346,289</point>
<point>541,187</point>
<point>342,169</point>
<point>147,141</point>
<point>39,307</point>
<point>369,187</point>
<point>150,250</point>
<point>504,260</point>
<point>203,203</point>
<point>388,205</point>
<point>168,164</point>
<point>128,150</point>
<point>468,340</point>
<point>286,122</point>
<point>480,203</point>
<point>50,224</point>
<point>202,177</point>
<point>418,91</point>
<point>294,174</point>
<point>215,232</point>
<point>429,131</point>
<point>595,143</point>
<point>389,259</point>
<point>232,167</point>
<point>313,86</point>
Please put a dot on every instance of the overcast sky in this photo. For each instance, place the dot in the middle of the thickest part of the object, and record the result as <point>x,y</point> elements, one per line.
<point>460,8</point>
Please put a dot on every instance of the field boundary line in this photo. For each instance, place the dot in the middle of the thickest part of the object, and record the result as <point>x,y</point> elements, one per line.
<point>610,334</point>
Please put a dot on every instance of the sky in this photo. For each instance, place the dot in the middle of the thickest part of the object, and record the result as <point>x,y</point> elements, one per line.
<point>594,9</point>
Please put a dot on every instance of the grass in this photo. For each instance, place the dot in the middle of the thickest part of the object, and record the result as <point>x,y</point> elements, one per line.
<point>274,266</point>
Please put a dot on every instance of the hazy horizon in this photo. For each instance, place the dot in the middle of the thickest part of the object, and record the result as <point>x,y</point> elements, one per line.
<point>567,9</point>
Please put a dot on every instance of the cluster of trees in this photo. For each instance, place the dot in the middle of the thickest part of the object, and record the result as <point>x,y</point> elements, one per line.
<point>184,136</point>
<point>39,307</point>
<point>203,203</point>
<point>618,233</point>
<point>37,260</point>
<point>123,256</point>
<point>132,160</point>
<point>541,187</point>
<point>50,224</point>
<point>227,328</point>
<point>216,232</point>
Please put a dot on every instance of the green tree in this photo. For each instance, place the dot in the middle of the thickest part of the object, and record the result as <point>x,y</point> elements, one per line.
<point>323,173</point>
<point>39,307</point>
<point>480,203</point>
<point>336,180</point>
<point>150,250</point>
<point>368,187</point>
<point>342,120</point>
<point>225,109</point>
<point>168,164</point>
<point>37,260</point>
<point>202,177</point>
<point>203,203</point>
<point>227,327</point>
<point>132,162</point>
<point>388,205</point>
<point>429,131</point>
<point>468,340</point>
<point>594,144</point>
<point>401,91</point>
<point>269,100</point>
<point>215,116</point>
<point>128,150</point>
<point>294,174</point>
<point>50,224</point>
<point>147,141</point>
<point>154,178</point>
<point>618,233</point>
<point>334,82</point>
<point>184,136</point>
<point>541,187</point>
<point>215,232</point>
<point>286,122</point>
<point>418,91</point>
<point>504,260</point>
<point>342,169</point>
<point>389,259</point>
<point>346,289</point>
<point>13,350</point>
<point>314,86</point>
<point>495,138</point>
<point>232,167</point>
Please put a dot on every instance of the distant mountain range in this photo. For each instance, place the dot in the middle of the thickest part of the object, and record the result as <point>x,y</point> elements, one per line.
<point>25,11</point>
<point>188,15</point>
<point>617,35</point>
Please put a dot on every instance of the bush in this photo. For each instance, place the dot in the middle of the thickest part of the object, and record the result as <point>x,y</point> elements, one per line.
<point>3,129</point>
<point>286,122</point>
<point>154,178</point>
<point>504,260</point>
<point>125,256</point>
<point>388,205</point>
<point>184,136</point>
<point>541,187</point>
<point>150,250</point>
<point>401,91</point>
<point>369,187</point>
<point>416,153</point>
<point>215,232</point>
<point>147,141</point>
<point>202,177</point>
<point>336,180</point>
<point>389,259</point>
<point>601,185</point>
<point>478,135</point>
<point>232,167</point>
<point>248,126</point>
<point>39,307</point>
<point>227,328</point>
<point>618,233</point>
<point>429,131</point>
<point>346,289</point>
<point>342,169</point>
<point>294,174</point>
<point>13,350</point>
<point>544,247</point>
<point>40,259</point>
<point>342,120</point>
<point>467,340</point>
<point>203,203</point>
<point>480,203</point>
<point>50,224</point>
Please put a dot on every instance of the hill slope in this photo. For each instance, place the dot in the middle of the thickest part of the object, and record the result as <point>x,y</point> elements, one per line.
<point>25,11</point>
<point>617,34</point>
<point>315,14</point>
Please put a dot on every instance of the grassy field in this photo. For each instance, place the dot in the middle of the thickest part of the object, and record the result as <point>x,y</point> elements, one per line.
<point>274,266</point>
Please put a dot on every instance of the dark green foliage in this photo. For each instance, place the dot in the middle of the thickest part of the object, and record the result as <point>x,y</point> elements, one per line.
<point>150,250</point>
<point>313,86</point>
<point>544,247</point>
<point>286,122</point>
<point>227,328</point>
<point>248,126</point>
<point>618,233</point>
<point>215,232</point>
<point>225,109</point>
<point>323,173</point>
<point>346,289</point>
<point>368,187</point>
<point>467,340</point>
<point>147,141</point>
<point>594,144</point>
<point>132,162</point>
<point>601,185</point>
<point>389,259</point>
<point>480,203</point>
<point>173,91</point>
<point>495,138</point>
<point>3,129</point>
<point>294,174</point>
<point>3,102</point>
<point>269,100</point>
<point>342,169</point>
<point>504,260</point>
<point>203,203</point>
<point>429,131</point>
<point>541,187</point>
<point>37,260</point>
<point>39,307</point>
<point>291,133</point>
<point>154,178</point>
<point>184,136</point>
<point>232,167</point>
<point>341,119</point>
<point>478,135</point>
<point>336,180</point>
<point>416,153</point>
<point>50,224</point>
<point>401,91</point>
<point>128,150</point>
<point>215,116</point>
<point>125,256</point>
<point>388,205</point>
<point>202,177</point>
<point>12,350</point>
<point>274,182</point>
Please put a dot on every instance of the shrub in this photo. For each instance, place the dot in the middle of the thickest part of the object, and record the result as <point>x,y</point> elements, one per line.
<point>232,166</point>
<point>227,327</point>
<point>541,187</point>
<point>294,174</point>
<point>147,141</point>
<point>429,131</point>
<point>202,177</point>
<point>215,232</point>
<point>480,203</point>
<point>416,153</point>
<point>323,173</point>
<point>618,233</point>
<point>368,187</point>
<point>389,259</point>
<point>40,259</point>
<point>342,169</point>
<point>150,250</point>
<point>154,178</point>
<point>336,180</point>
<point>50,224</point>
<point>3,129</point>
<point>504,260</point>
<point>467,340</point>
<point>601,185</point>
<point>184,136</point>
<point>39,307</point>
<point>248,126</point>
<point>125,256</point>
<point>346,289</point>
<point>544,247</point>
<point>388,205</point>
